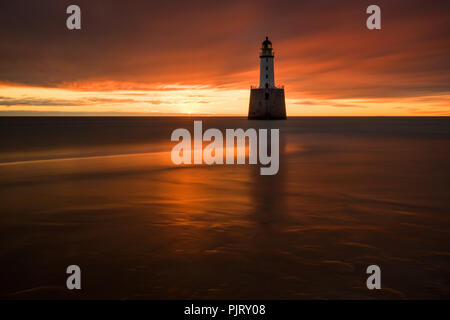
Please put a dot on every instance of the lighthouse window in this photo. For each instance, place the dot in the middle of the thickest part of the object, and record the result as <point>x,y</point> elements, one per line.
<point>267,76</point>
<point>267,68</point>
<point>267,96</point>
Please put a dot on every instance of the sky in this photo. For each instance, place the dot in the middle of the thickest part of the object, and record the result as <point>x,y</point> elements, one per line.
<point>201,57</point>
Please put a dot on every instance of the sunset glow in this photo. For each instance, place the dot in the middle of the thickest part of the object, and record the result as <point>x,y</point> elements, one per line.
<point>225,159</point>
<point>138,59</point>
<point>201,100</point>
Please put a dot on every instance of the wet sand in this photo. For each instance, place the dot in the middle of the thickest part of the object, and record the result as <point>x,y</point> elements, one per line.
<point>103,193</point>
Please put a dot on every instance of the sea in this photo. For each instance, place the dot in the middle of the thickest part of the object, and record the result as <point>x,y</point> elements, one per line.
<point>102,193</point>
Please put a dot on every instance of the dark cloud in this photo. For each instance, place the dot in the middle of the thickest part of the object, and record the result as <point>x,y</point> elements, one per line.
<point>322,47</point>
<point>7,101</point>
<point>35,101</point>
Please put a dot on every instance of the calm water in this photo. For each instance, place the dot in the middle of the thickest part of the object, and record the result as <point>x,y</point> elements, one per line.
<point>102,193</point>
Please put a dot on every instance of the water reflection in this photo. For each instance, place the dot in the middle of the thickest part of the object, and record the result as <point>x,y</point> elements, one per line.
<point>338,203</point>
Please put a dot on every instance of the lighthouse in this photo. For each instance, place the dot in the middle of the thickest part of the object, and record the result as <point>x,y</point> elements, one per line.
<point>266,73</point>
<point>267,101</point>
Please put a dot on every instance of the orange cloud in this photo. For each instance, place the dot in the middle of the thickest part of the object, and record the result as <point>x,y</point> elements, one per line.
<point>325,56</point>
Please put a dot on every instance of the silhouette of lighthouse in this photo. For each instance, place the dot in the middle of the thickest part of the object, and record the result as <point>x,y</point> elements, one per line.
<point>267,101</point>
<point>266,73</point>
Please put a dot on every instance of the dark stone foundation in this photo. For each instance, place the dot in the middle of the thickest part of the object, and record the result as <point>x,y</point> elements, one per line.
<point>267,104</point>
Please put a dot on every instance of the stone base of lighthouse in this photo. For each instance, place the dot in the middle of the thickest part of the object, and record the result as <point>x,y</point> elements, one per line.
<point>267,104</point>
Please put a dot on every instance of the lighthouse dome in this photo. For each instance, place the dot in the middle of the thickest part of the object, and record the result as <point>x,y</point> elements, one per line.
<point>266,43</point>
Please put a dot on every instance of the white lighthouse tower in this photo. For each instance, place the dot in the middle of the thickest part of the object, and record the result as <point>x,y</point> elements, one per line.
<point>266,72</point>
<point>267,100</point>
